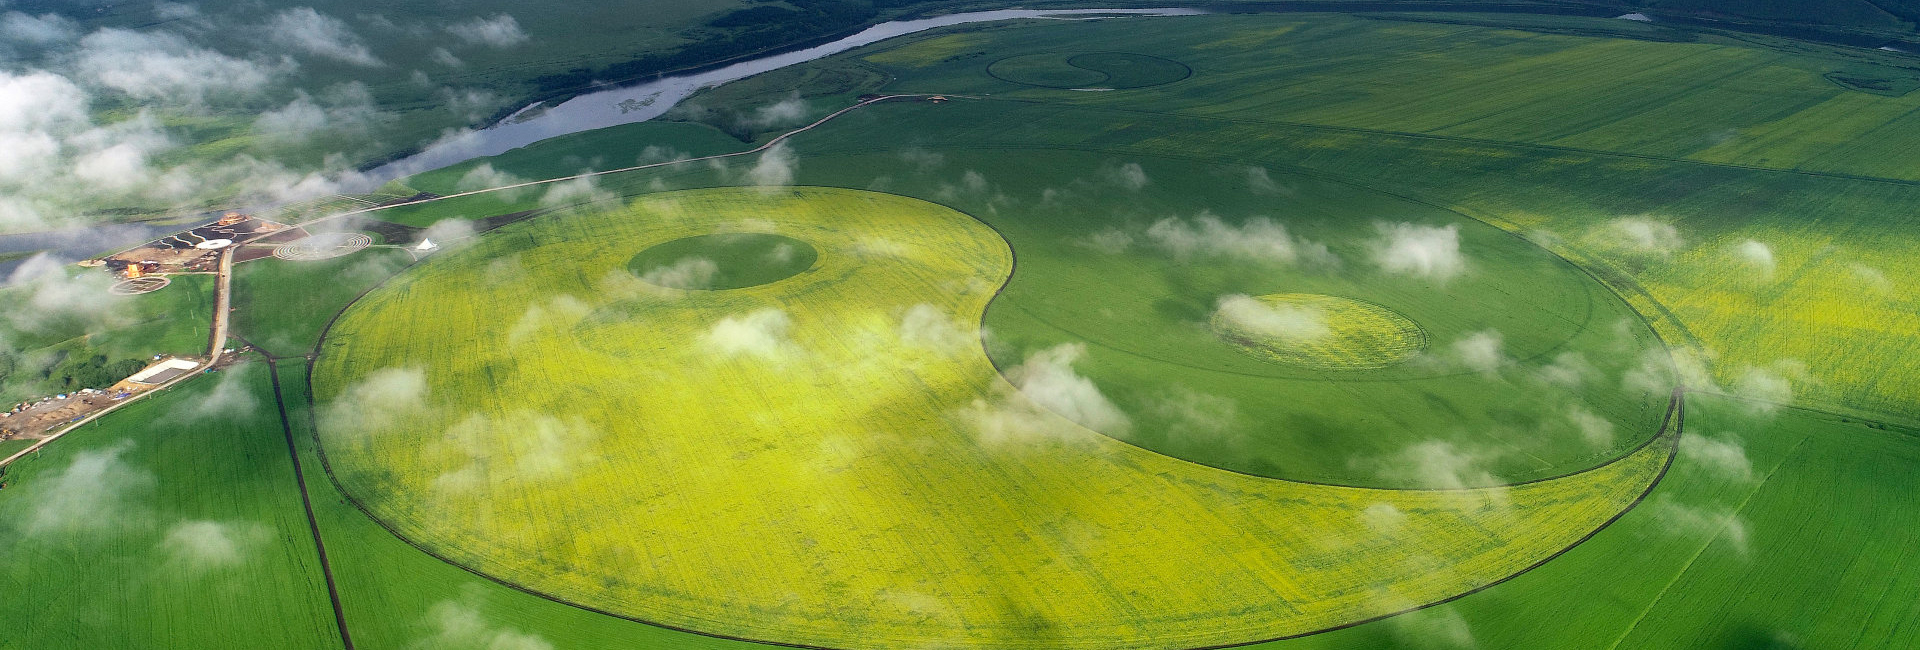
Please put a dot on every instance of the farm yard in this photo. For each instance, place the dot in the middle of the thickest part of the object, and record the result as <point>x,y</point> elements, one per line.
<point>1297,330</point>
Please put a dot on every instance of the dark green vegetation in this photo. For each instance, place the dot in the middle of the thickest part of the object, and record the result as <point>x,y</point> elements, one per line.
<point>727,261</point>
<point>1092,70</point>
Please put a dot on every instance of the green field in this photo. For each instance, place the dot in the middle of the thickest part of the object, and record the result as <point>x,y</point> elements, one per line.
<point>1311,330</point>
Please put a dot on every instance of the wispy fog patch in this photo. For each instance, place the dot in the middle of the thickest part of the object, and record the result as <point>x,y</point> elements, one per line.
<point>583,190</point>
<point>163,66</point>
<point>1660,368</point>
<point>1259,181</point>
<point>1721,455</point>
<point>1291,323</point>
<point>762,333</point>
<point>58,299</point>
<point>1640,235</point>
<point>1129,176</point>
<point>1427,252</point>
<point>230,398</point>
<point>378,403</point>
<point>1439,464</point>
<point>775,168</point>
<point>790,111</point>
<point>498,31</point>
<point>1383,519</point>
<point>346,109</point>
<point>1673,517</point>
<point>1046,390</point>
<point>519,447</point>
<point>93,494</point>
<point>309,31</point>
<point>459,625</point>
<point>928,327</point>
<point>687,274</point>
<point>1433,628</point>
<point>1257,239</point>
<point>1193,416</point>
<point>1771,386</point>
<point>42,30</point>
<point>1595,430</point>
<point>1872,279</point>
<point>561,311</point>
<point>921,160</point>
<point>1569,370</point>
<point>1483,352</point>
<point>1757,257</point>
<point>486,177</point>
<point>199,546</point>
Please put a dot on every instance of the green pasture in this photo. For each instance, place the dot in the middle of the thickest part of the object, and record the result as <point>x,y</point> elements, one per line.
<point>282,305</point>
<point>173,523</point>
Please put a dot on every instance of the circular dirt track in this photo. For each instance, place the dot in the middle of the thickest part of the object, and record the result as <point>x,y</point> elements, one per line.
<point>140,285</point>
<point>323,246</point>
<point>1089,70</point>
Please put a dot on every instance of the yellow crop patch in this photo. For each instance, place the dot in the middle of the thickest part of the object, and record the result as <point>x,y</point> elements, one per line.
<point>831,460</point>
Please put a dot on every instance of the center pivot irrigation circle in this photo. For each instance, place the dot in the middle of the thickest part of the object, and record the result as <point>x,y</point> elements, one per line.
<point>323,246</point>
<point>140,285</point>
<point>1319,331</point>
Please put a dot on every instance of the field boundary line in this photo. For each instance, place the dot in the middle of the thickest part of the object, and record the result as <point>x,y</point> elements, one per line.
<point>1717,534</point>
<point>306,501</point>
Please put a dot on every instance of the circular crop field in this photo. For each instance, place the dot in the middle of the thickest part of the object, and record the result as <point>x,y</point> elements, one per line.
<point>323,246</point>
<point>723,261</point>
<point>140,285</point>
<point>1318,331</point>
<point>834,460</point>
<point>1089,70</point>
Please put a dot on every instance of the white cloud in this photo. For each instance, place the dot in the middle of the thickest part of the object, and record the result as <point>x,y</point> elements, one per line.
<point>762,333</point>
<point>229,399</point>
<point>775,168</point>
<point>786,112</point>
<point>350,110</point>
<point>312,32</point>
<point>1383,519</point>
<point>1430,252</point>
<point>519,447</point>
<point>1595,430</point>
<point>41,30</point>
<point>202,545</point>
<point>1439,464</point>
<point>162,65</point>
<point>1675,518</point>
<point>1048,378</point>
<point>1130,176</point>
<point>926,326</point>
<point>486,177</point>
<point>1642,235</point>
<point>91,494</point>
<point>1756,256</point>
<point>457,625</point>
<point>376,404</point>
<point>689,273</point>
<point>1257,239</point>
<point>57,298</point>
<point>1569,370</point>
<point>501,30</point>
<point>1190,415</point>
<point>579,191</point>
<point>1723,456</point>
<point>561,311</point>
<point>1286,322</point>
<point>1483,352</point>
<point>1261,182</point>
